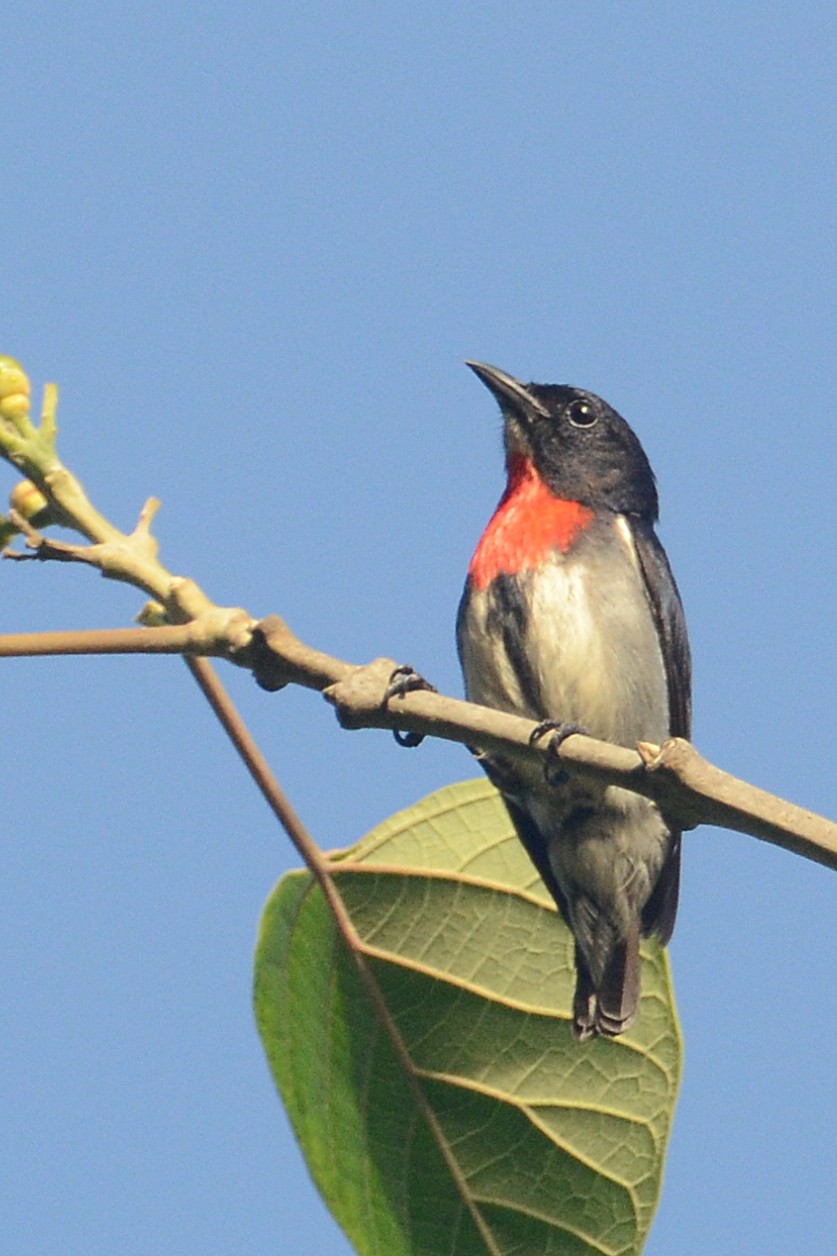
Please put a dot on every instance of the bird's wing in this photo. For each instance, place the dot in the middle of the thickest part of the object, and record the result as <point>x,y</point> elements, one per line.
<point>670,622</point>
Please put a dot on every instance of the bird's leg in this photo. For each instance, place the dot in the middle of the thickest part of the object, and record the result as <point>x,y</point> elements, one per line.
<point>405,679</point>
<point>558,732</point>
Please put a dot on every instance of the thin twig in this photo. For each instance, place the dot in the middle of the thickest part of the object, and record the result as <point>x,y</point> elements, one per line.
<point>169,639</point>
<point>319,865</point>
<point>258,767</point>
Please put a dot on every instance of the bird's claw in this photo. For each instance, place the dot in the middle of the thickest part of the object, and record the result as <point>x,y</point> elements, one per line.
<point>558,731</point>
<point>405,679</point>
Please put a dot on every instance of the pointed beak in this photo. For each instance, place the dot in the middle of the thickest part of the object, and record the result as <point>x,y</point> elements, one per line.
<point>510,393</point>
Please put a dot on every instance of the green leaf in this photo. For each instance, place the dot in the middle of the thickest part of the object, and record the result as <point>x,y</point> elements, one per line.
<point>426,1060</point>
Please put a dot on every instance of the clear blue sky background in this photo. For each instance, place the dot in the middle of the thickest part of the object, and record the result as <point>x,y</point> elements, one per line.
<point>253,244</point>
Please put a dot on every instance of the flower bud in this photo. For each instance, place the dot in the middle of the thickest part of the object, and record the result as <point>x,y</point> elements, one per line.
<point>14,389</point>
<point>28,500</point>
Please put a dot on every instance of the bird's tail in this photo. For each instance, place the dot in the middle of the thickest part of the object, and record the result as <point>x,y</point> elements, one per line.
<point>608,1007</point>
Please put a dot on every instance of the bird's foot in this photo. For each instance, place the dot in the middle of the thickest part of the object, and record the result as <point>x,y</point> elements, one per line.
<point>558,732</point>
<point>405,679</point>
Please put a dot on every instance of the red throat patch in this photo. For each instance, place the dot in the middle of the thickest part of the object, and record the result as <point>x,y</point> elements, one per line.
<point>528,523</point>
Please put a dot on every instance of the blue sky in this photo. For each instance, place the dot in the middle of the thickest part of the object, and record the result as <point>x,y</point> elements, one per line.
<point>253,245</point>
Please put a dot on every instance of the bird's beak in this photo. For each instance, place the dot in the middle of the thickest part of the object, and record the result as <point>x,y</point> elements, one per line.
<point>509,391</point>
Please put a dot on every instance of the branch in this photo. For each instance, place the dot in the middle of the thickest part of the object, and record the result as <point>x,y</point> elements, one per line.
<point>685,786</point>
<point>182,619</point>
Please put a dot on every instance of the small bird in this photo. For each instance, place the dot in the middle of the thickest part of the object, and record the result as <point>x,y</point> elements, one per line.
<point>571,617</point>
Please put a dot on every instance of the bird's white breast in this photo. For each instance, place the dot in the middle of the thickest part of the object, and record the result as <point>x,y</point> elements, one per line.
<point>590,638</point>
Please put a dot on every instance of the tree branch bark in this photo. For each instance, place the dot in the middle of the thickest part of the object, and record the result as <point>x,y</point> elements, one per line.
<point>684,785</point>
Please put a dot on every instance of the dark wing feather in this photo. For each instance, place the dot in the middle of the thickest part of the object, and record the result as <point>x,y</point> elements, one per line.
<point>667,610</point>
<point>670,622</point>
<point>535,847</point>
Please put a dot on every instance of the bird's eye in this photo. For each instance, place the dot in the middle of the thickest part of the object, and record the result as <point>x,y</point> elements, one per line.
<point>581,414</point>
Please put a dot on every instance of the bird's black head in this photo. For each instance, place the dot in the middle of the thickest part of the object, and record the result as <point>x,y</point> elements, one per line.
<point>581,448</point>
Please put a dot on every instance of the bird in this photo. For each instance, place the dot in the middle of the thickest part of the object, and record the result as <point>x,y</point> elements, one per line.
<point>571,617</point>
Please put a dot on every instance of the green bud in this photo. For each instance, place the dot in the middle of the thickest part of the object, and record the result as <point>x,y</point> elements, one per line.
<point>15,389</point>
<point>28,500</point>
